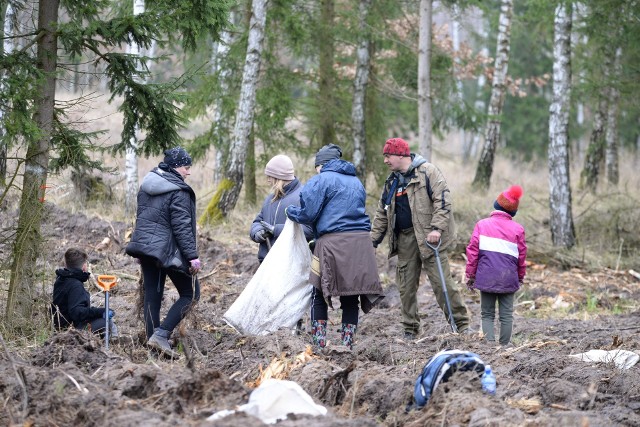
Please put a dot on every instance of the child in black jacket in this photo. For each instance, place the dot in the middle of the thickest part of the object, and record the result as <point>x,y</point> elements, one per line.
<point>71,304</point>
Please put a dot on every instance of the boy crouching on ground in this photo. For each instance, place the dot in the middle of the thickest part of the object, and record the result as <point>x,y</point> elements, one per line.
<point>71,304</point>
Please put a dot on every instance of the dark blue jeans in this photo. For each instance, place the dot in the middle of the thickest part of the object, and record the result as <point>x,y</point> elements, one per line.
<point>153,279</point>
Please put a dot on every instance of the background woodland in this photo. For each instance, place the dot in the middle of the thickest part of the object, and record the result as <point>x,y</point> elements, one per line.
<point>539,93</point>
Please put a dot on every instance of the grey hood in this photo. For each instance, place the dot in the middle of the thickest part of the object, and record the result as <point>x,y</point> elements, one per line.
<point>159,181</point>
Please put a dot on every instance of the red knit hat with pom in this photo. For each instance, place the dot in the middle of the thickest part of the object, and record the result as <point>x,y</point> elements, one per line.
<point>396,146</point>
<point>509,200</point>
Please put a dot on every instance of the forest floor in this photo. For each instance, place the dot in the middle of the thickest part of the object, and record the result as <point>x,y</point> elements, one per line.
<point>70,379</point>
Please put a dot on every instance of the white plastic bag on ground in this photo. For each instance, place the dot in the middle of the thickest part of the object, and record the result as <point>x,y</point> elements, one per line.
<point>623,359</point>
<point>279,294</point>
<point>273,400</point>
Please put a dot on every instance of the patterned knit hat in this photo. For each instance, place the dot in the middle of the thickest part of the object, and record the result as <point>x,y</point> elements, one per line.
<point>176,157</point>
<point>397,147</point>
<point>509,200</point>
<point>280,167</point>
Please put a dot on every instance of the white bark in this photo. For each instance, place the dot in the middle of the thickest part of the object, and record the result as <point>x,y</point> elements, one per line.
<point>234,174</point>
<point>424,79</point>
<point>561,222</point>
<point>498,91</point>
<point>455,40</point>
<point>359,92</point>
<point>8,46</point>
<point>579,11</point>
<point>219,51</point>
<point>611,133</point>
<point>131,156</point>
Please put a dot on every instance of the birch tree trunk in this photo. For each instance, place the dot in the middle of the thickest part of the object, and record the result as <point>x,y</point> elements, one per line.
<point>131,156</point>
<point>455,41</point>
<point>26,248</point>
<point>359,92</point>
<point>226,195</point>
<point>594,159</point>
<point>219,52</point>
<point>424,79</point>
<point>611,134</point>
<point>496,102</point>
<point>595,151</point>
<point>579,11</point>
<point>250,186</point>
<point>6,47</point>
<point>561,223</point>
<point>326,85</point>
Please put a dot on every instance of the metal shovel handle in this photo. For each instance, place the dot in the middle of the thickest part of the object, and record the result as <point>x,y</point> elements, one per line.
<point>436,252</point>
<point>434,248</point>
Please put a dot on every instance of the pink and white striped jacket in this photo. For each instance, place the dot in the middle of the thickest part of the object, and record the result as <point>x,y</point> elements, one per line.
<point>496,254</point>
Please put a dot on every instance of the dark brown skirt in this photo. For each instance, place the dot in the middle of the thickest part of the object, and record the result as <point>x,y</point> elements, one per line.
<point>345,264</point>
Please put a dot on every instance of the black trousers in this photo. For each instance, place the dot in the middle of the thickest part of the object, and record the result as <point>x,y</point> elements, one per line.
<point>348,304</point>
<point>153,279</point>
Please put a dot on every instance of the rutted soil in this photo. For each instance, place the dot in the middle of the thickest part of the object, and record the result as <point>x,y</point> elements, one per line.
<point>72,380</point>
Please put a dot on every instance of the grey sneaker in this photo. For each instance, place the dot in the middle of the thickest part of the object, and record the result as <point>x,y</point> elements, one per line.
<point>114,336</point>
<point>160,341</point>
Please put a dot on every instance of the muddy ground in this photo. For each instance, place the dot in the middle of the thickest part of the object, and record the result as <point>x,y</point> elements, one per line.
<point>71,380</point>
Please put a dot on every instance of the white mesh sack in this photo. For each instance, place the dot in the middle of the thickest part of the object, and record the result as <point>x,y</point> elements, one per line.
<point>279,294</point>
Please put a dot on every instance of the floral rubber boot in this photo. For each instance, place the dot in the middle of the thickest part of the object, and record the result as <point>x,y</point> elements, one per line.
<point>348,333</point>
<point>319,333</point>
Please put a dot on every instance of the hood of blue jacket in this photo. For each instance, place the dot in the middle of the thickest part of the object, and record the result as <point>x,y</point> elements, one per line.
<point>340,166</point>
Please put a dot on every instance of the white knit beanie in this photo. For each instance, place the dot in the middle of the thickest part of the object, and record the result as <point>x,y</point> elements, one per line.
<point>280,167</point>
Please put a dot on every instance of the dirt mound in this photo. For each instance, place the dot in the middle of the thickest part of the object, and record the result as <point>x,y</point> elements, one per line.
<point>71,380</point>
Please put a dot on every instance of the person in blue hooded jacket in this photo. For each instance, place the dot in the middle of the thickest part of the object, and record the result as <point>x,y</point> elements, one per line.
<point>344,264</point>
<point>164,240</point>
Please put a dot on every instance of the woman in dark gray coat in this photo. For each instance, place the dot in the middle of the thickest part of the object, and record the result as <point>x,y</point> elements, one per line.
<point>164,240</point>
<point>269,223</point>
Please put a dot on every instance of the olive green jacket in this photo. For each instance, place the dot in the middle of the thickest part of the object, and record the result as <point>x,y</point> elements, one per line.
<point>430,203</point>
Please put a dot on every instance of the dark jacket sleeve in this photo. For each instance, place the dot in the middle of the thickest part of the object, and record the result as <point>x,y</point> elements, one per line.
<point>182,224</point>
<point>78,302</point>
<point>380,220</point>
<point>255,225</point>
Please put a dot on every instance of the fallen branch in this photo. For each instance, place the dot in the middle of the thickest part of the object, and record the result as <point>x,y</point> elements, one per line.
<point>82,390</point>
<point>214,271</point>
<point>341,374</point>
<point>628,328</point>
<point>536,345</point>
<point>23,387</point>
<point>634,274</point>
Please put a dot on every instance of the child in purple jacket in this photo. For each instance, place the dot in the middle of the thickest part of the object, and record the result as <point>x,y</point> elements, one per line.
<point>496,263</point>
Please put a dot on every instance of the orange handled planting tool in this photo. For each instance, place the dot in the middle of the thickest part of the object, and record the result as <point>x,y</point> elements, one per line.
<point>106,282</point>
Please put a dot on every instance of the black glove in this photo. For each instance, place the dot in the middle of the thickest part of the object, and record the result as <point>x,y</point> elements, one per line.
<point>261,236</point>
<point>312,245</point>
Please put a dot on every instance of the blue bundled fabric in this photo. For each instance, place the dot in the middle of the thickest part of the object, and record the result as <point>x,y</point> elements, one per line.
<point>440,368</point>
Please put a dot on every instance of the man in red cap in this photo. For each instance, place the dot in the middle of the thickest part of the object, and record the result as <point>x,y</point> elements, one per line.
<point>416,207</point>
